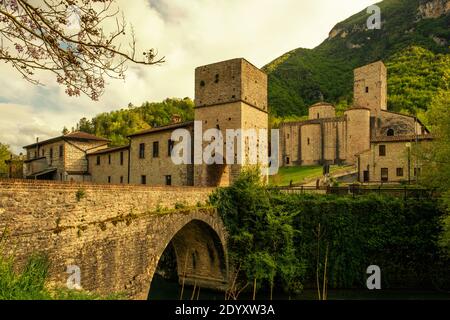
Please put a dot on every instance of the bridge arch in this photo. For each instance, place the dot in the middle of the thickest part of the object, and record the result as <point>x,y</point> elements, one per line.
<point>199,244</point>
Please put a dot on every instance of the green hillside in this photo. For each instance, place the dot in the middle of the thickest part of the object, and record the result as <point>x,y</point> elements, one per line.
<point>117,125</point>
<point>302,77</point>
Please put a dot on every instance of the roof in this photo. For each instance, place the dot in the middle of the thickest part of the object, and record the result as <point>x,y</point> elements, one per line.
<point>405,138</point>
<point>163,128</point>
<point>409,116</point>
<point>108,150</point>
<point>40,173</point>
<point>357,108</point>
<point>77,135</point>
<point>229,61</point>
<point>312,121</point>
<point>34,159</point>
<point>322,104</point>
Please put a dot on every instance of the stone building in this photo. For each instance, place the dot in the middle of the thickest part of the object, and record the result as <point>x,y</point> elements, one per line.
<point>354,137</point>
<point>150,157</point>
<point>228,95</point>
<point>109,165</point>
<point>62,158</point>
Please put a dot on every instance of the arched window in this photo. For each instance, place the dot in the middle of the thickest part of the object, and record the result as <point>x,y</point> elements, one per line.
<point>390,132</point>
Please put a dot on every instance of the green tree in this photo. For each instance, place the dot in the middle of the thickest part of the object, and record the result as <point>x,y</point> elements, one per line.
<point>436,156</point>
<point>5,154</point>
<point>261,241</point>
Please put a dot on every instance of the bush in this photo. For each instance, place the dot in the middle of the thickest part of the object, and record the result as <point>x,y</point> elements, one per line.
<point>273,237</point>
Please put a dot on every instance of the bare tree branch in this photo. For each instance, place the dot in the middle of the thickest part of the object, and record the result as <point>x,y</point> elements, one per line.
<point>68,39</point>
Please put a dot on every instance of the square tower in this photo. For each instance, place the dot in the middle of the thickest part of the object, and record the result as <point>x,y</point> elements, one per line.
<point>370,87</point>
<point>229,95</point>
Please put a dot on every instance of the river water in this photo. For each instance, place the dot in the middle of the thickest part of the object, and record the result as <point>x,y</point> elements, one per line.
<point>163,289</point>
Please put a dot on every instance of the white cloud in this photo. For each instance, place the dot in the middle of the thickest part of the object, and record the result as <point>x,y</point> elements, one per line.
<point>189,34</point>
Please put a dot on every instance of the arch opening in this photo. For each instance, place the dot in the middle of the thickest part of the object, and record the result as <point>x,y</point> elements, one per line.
<point>194,258</point>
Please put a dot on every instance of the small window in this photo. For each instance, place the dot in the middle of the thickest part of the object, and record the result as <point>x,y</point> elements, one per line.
<point>384,174</point>
<point>288,161</point>
<point>109,159</point>
<point>143,179</point>
<point>202,83</point>
<point>367,89</point>
<point>309,141</point>
<point>170,145</point>
<point>155,149</point>
<point>43,152</point>
<point>98,160</point>
<point>121,158</point>
<point>217,79</point>
<point>399,172</point>
<point>382,150</point>
<point>142,151</point>
<point>318,115</point>
<point>109,179</point>
<point>287,137</point>
<point>390,132</point>
<point>168,180</point>
<point>61,151</point>
<point>51,153</point>
<point>121,179</point>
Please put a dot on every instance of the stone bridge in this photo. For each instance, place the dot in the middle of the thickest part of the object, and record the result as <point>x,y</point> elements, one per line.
<point>114,234</point>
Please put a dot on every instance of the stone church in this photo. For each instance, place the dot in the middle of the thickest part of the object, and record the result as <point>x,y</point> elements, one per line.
<point>377,141</point>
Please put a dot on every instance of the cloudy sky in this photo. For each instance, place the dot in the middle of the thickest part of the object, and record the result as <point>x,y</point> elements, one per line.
<point>189,33</point>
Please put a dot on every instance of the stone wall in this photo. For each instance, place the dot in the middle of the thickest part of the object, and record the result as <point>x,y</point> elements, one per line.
<point>311,144</point>
<point>115,234</point>
<point>230,81</point>
<point>370,87</point>
<point>109,172</point>
<point>358,132</point>
<point>157,168</point>
<point>396,157</point>
<point>321,110</point>
<point>229,95</point>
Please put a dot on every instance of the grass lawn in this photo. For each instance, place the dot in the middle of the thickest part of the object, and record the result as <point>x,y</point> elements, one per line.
<point>298,174</point>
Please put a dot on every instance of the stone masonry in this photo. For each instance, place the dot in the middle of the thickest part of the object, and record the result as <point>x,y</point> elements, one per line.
<point>115,234</point>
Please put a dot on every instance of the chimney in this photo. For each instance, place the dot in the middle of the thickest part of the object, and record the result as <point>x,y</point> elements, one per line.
<point>176,118</point>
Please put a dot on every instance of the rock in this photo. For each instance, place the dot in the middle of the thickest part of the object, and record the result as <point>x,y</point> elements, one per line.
<point>434,9</point>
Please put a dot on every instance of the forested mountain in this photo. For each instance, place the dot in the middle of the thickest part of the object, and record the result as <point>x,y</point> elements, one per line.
<point>413,42</point>
<point>117,125</point>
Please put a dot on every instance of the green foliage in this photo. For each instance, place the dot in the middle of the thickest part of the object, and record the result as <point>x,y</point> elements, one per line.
<point>30,282</point>
<point>261,238</point>
<point>27,285</point>
<point>273,236</point>
<point>80,194</point>
<point>5,154</point>
<point>436,157</point>
<point>303,77</point>
<point>416,75</point>
<point>299,174</point>
<point>117,125</point>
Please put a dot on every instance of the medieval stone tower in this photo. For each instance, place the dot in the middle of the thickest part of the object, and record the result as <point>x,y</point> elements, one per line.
<point>370,87</point>
<point>229,95</point>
